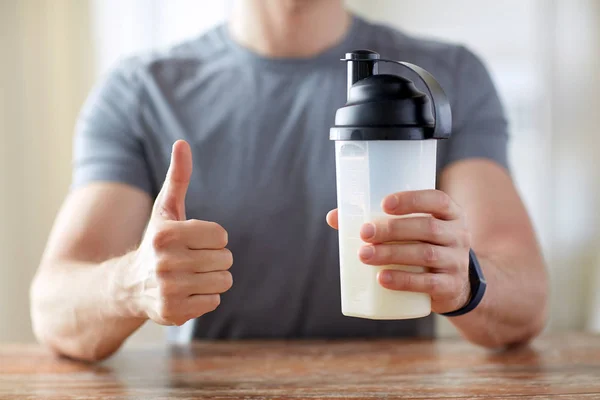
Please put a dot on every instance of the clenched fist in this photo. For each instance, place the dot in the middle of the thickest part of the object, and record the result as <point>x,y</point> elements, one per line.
<point>181,267</point>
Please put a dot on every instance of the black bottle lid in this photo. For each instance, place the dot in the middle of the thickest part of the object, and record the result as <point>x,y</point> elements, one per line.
<point>390,107</point>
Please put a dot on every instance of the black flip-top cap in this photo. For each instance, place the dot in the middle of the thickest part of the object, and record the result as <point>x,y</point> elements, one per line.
<point>384,107</point>
<point>362,55</point>
<point>389,107</point>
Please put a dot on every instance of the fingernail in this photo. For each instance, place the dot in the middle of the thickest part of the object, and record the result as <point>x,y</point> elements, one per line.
<point>385,277</point>
<point>368,230</point>
<point>390,202</point>
<point>366,252</point>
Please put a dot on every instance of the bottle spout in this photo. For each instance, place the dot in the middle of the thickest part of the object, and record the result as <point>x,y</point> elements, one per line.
<point>361,64</point>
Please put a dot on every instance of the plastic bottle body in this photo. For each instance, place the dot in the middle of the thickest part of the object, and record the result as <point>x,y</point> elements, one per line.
<point>368,171</point>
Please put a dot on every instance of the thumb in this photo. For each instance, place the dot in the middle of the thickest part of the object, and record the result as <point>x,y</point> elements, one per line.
<point>332,218</point>
<point>170,203</point>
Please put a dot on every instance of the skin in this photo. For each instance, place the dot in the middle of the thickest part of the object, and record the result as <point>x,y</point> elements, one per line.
<point>288,28</point>
<point>114,260</point>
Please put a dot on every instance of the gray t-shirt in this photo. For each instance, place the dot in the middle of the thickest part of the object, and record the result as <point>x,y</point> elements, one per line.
<point>263,163</point>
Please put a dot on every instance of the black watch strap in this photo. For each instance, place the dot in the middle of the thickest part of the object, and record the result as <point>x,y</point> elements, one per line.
<point>478,286</point>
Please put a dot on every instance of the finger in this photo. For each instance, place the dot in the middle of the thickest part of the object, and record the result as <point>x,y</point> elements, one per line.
<point>193,307</point>
<point>178,284</point>
<point>210,282</point>
<point>198,235</point>
<point>179,310</point>
<point>434,202</point>
<point>332,218</point>
<point>422,229</point>
<point>417,254</point>
<point>170,203</point>
<point>200,304</point>
<point>191,234</point>
<point>195,261</point>
<point>437,285</point>
<point>211,260</point>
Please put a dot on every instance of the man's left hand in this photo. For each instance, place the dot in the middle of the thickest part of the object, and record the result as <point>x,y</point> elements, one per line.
<point>439,241</point>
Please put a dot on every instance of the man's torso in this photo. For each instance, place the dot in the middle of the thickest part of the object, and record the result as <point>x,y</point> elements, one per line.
<point>264,169</point>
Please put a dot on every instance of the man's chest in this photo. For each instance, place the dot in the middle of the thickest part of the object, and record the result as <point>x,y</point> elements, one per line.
<point>259,149</point>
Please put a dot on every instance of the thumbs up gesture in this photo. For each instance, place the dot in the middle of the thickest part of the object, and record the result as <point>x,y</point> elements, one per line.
<point>181,267</point>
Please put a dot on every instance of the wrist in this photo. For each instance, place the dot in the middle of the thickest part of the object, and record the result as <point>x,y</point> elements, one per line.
<point>125,287</point>
<point>477,288</point>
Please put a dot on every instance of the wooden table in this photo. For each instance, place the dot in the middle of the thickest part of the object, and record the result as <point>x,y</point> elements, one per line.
<point>566,366</point>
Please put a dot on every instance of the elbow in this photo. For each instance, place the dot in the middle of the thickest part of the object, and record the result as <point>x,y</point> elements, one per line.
<point>516,335</point>
<point>534,327</point>
<point>59,336</point>
<point>538,318</point>
<point>87,356</point>
<point>72,347</point>
<point>521,336</point>
<point>523,323</point>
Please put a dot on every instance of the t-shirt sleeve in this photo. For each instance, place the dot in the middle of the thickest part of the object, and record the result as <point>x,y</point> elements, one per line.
<point>479,123</point>
<point>108,142</point>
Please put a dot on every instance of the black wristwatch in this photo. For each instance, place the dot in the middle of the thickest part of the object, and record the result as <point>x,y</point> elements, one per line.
<point>478,286</point>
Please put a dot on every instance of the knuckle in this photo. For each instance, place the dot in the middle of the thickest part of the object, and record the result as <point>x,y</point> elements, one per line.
<point>430,253</point>
<point>455,265</point>
<point>432,283</point>
<point>167,287</point>
<point>415,200</point>
<point>227,258</point>
<point>388,224</point>
<point>433,227</point>
<point>166,311</point>
<point>226,280</point>
<point>164,236</point>
<point>213,302</point>
<point>180,321</point>
<point>220,234</point>
<point>444,201</point>
<point>407,281</point>
<point>455,239</point>
<point>390,228</point>
<point>163,266</point>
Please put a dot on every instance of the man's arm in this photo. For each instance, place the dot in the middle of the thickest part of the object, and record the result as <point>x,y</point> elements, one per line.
<point>515,306</point>
<point>95,286</point>
<point>73,309</point>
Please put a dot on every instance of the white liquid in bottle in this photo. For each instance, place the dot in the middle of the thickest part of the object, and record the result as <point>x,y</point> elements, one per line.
<point>363,296</point>
<point>366,173</point>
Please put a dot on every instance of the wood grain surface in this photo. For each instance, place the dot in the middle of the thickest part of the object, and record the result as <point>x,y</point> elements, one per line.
<point>563,367</point>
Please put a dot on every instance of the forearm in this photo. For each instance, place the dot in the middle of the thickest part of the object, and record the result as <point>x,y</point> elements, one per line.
<point>77,311</point>
<point>514,308</point>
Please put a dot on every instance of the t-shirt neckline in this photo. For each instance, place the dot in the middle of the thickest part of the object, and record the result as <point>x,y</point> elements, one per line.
<point>336,52</point>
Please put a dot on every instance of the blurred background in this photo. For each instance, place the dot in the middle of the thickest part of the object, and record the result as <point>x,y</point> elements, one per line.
<point>544,56</point>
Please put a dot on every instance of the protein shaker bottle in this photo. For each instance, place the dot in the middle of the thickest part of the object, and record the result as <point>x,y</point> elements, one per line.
<point>385,142</point>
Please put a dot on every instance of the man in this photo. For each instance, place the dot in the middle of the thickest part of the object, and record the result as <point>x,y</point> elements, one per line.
<point>255,100</point>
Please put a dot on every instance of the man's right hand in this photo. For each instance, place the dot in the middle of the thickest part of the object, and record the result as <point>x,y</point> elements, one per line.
<point>181,267</point>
